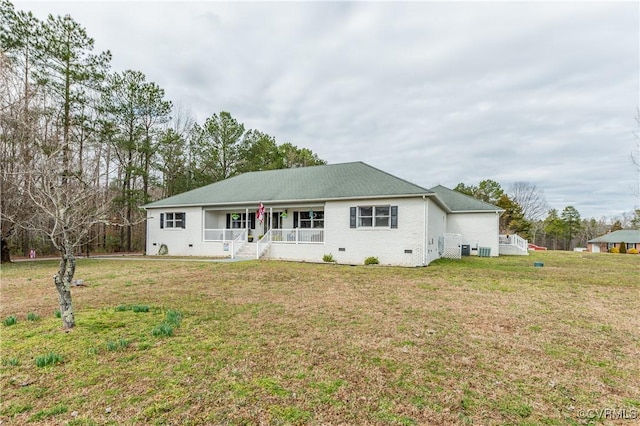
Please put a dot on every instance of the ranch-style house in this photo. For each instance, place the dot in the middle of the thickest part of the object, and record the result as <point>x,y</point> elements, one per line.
<point>350,211</point>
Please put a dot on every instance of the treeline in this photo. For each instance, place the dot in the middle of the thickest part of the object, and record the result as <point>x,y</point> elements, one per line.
<point>84,147</point>
<point>528,215</point>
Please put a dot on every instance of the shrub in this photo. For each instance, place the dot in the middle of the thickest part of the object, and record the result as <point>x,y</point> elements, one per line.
<point>623,248</point>
<point>32,316</point>
<point>10,320</point>
<point>371,260</point>
<point>328,258</point>
<point>48,359</point>
<point>632,251</point>
<point>614,250</point>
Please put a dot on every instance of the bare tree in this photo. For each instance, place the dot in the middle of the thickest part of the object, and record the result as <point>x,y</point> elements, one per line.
<point>531,199</point>
<point>533,203</point>
<point>65,206</point>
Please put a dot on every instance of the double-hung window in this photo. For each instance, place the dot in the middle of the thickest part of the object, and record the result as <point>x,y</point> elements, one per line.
<point>311,219</point>
<point>374,217</point>
<point>172,220</point>
<point>240,221</point>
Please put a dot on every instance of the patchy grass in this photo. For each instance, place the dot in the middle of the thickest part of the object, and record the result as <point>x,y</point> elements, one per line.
<point>478,341</point>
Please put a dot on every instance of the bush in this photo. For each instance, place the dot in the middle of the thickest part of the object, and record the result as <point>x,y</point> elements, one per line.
<point>10,320</point>
<point>371,260</point>
<point>614,250</point>
<point>632,251</point>
<point>328,258</point>
<point>32,316</point>
<point>623,248</point>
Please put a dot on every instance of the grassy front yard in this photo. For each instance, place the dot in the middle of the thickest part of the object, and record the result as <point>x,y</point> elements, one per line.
<point>478,341</point>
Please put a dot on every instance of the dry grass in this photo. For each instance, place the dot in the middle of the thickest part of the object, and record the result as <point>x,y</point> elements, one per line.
<point>477,341</point>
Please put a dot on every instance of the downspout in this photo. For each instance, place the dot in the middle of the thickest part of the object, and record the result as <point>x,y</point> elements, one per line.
<point>425,242</point>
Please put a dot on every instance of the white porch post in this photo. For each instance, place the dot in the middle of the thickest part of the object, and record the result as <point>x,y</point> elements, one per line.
<point>247,224</point>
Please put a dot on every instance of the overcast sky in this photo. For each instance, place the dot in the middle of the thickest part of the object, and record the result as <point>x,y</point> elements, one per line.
<point>432,92</point>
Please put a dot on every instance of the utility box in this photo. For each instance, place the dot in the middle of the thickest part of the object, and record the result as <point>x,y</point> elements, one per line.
<point>466,250</point>
<point>484,251</point>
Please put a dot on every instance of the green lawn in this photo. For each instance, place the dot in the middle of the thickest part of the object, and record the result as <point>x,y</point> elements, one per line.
<point>478,341</point>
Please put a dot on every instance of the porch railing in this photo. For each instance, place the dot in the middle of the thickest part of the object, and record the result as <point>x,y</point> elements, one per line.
<point>238,242</point>
<point>263,244</point>
<point>514,240</point>
<point>297,236</point>
<point>223,235</point>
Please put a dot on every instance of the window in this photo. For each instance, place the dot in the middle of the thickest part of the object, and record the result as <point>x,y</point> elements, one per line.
<point>172,220</point>
<point>239,221</point>
<point>374,217</point>
<point>311,219</point>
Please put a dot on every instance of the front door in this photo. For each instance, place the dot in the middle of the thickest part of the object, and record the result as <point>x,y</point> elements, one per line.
<point>276,220</point>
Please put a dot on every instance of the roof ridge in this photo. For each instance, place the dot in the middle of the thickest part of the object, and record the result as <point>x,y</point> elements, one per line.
<point>394,176</point>
<point>462,194</point>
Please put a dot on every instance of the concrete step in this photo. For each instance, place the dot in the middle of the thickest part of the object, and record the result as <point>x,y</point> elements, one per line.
<point>248,251</point>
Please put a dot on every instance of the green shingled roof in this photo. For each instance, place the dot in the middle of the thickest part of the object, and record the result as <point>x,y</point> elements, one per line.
<point>458,202</point>
<point>621,236</point>
<point>335,181</point>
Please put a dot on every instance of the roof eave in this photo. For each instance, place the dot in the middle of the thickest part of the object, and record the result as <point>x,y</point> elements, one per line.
<point>299,200</point>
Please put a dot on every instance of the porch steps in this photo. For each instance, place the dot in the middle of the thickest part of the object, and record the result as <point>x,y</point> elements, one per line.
<point>248,251</point>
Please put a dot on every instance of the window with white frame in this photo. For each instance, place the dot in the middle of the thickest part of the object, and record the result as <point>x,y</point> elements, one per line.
<point>374,217</point>
<point>173,220</point>
<point>238,220</point>
<point>311,219</point>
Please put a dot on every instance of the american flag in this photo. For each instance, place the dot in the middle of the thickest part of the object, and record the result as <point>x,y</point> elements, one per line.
<point>260,213</point>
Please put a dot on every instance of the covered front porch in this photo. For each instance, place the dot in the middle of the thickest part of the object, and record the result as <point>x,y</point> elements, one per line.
<point>235,228</point>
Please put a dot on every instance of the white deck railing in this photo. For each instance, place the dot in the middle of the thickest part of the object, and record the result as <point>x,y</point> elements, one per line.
<point>514,240</point>
<point>238,242</point>
<point>297,236</point>
<point>263,244</point>
<point>224,235</point>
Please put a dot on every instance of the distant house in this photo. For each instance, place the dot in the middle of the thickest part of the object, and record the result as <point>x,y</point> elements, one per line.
<point>613,239</point>
<point>350,211</point>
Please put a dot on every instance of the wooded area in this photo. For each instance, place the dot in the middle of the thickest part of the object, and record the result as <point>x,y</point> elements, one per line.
<point>83,147</point>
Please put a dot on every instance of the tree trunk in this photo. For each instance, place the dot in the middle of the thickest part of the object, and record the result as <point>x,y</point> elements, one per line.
<point>62,281</point>
<point>5,256</point>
